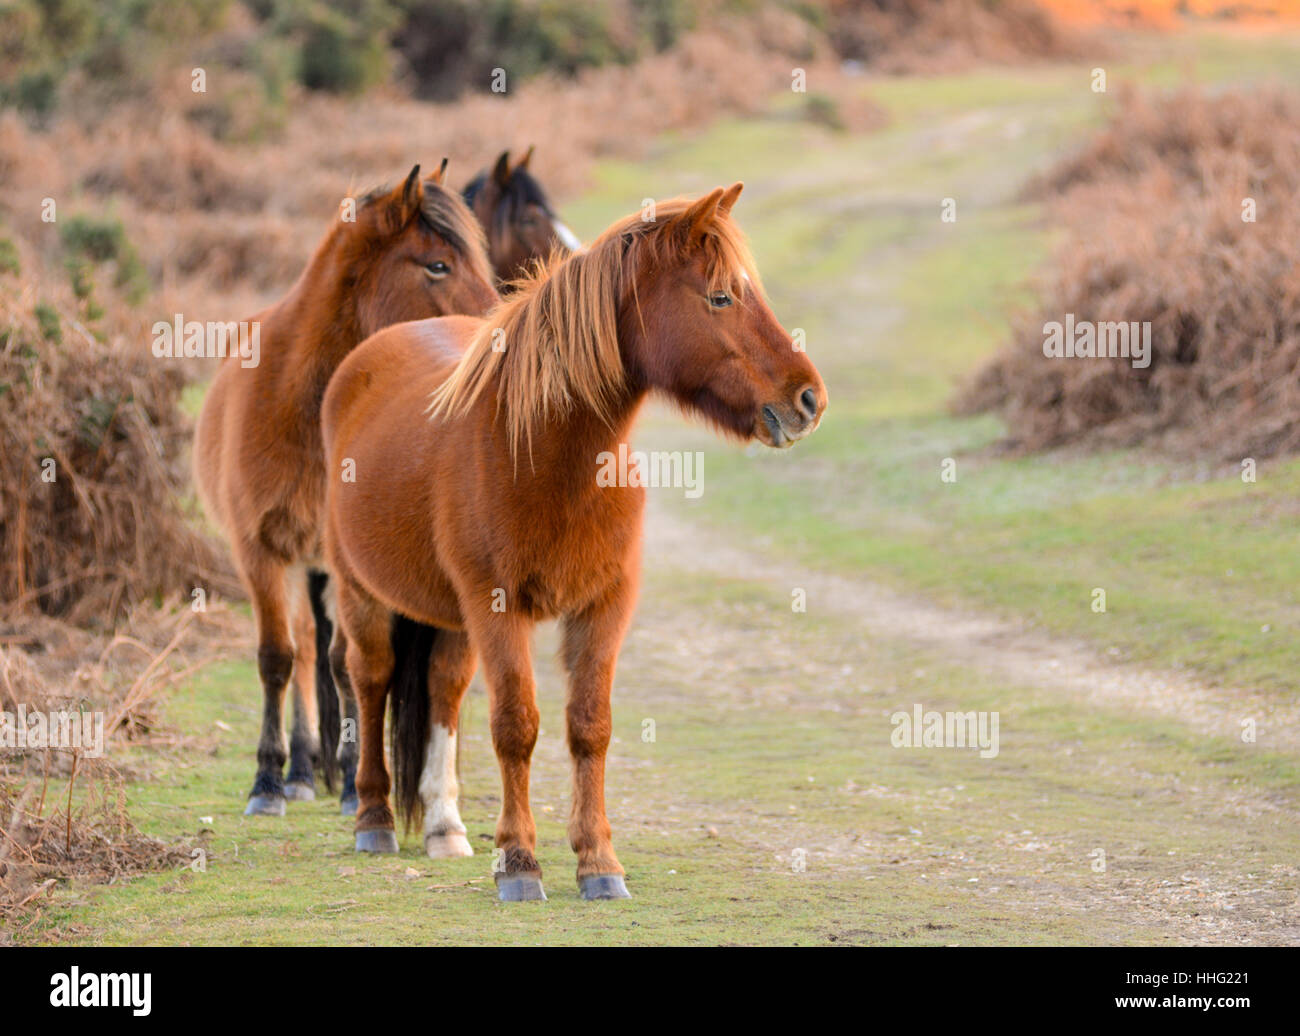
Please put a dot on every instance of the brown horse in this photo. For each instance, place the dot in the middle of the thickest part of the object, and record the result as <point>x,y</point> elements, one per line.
<point>521,226</point>
<point>409,253</point>
<point>476,508</point>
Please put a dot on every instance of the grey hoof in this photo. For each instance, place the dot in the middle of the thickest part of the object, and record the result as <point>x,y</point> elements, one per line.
<point>519,888</point>
<point>348,806</point>
<point>376,840</point>
<point>264,806</point>
<point>604,886</point>
<point>297,791</point>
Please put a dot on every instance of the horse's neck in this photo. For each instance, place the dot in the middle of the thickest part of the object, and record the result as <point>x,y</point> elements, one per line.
<point>566,451</point>
<point>320,327</point>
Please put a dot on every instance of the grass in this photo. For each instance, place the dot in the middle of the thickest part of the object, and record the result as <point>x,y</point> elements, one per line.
<point>744,777</point>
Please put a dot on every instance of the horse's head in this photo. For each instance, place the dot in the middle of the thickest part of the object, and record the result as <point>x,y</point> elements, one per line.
<point>701,331</point>
<point>520,223</point>
<point>416,251</point>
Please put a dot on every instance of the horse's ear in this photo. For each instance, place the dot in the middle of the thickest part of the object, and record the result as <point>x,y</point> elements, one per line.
<point>440,175</point>
<point>697,217</point>
<point>729,197</point>
<point>523,162</point>
<point>408,201</point>
<point>501,171</point>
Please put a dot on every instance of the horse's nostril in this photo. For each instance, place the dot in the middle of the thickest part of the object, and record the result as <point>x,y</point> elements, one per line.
<point>773,423</point>
<point>808,403</point>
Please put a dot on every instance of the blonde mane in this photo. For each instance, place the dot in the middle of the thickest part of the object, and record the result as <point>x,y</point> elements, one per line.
<point>553,344</point>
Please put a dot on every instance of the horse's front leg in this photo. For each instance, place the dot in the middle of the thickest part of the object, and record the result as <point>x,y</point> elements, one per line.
<point>265,577</point>
<point>592,639</point>
<point>503,643</point>
<point>365,638</point>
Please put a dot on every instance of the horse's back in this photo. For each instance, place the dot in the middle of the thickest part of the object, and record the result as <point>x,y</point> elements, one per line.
<point>414,357</point>
<point>383,452</point>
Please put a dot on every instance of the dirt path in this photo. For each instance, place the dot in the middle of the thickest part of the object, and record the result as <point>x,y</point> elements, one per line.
<point>995,645</point>
<point>1218,898</point>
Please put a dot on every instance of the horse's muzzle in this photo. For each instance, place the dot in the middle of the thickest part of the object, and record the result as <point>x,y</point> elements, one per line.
<point>787,423</point>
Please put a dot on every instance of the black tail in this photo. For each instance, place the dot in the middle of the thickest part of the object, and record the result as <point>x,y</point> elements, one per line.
<point>327,699</point>
<point>408,703</point>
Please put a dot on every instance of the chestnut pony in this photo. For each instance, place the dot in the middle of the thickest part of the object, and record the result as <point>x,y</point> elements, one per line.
<point>520,224</point>
<point>475,510</point>
<point>412,252</point>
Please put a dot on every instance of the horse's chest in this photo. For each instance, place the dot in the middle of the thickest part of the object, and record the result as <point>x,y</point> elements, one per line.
<point>563,569</point>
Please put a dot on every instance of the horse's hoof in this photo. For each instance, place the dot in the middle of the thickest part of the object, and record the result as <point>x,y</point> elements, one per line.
<point>377,840</point>
<point>519,888</point>
<point>603,886</point>
<point>448,846</point>
<point>264,806</point>
<point>348,806</point>
<point>298,791</point>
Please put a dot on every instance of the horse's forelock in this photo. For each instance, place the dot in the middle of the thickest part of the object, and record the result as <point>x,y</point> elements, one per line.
<point>729,264</point>
<point>446,214</point>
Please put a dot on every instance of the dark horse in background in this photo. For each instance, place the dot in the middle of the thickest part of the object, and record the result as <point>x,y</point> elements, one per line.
<point>476,511</point>
<point>520,224</point>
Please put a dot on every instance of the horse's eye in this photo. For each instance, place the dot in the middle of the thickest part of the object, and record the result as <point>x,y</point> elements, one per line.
<point>719,299</point>
<point>437,270</point>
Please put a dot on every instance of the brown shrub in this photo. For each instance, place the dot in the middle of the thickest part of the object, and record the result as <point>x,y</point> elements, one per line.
<point>1153,212</point>
<point>944,35</point>
<point>1178,132</point>
<point>170,165</point>
<point>42,847</point>
<point>92,447</point>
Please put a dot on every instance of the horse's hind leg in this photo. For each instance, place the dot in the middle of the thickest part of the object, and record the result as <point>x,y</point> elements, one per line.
<point>349,724</point>
<point>265,576</point>
<point>367,627</point>
<point>304,740</point>
<point>590,651</point>
<point>503,641</point>
<point>451,668</point>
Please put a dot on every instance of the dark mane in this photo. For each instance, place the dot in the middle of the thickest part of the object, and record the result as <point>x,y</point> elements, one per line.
<point>521,190</point>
